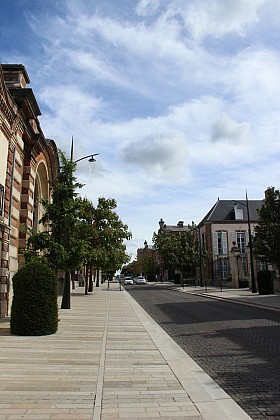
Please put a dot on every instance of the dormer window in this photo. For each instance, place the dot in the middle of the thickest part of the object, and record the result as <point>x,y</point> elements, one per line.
<point>238,213</point>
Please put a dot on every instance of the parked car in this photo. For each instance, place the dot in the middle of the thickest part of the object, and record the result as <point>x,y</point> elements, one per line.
<point>128,280</point>
<point>141,280</point>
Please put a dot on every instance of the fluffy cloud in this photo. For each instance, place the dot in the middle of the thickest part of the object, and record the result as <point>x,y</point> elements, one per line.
<point>255,80</point>
<point>217,17</point>
<point>147,7</point>
<point>225,129</point>
<point>204,18</point>
<point>162,156</point>
<point>68,100</point>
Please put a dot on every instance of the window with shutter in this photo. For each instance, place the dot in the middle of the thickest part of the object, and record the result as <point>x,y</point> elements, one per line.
<point>215,243</point>
<point>220,243</point>
<point>224,243</point>
<point>240,241</point>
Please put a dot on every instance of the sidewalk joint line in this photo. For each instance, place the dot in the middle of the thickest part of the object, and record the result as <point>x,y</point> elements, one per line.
<point>100,380</point>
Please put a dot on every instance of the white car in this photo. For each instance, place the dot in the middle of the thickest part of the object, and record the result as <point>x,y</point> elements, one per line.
<point>141,280</point>
<point>128,280</point>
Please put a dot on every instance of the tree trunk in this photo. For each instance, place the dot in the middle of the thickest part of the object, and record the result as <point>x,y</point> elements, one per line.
<point>86,280</point>
<point>65,304</point>
<point>97,277</point>
<point>90,282</point>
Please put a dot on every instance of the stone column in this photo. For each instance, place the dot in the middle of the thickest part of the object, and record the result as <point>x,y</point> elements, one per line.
<point>234,254</point>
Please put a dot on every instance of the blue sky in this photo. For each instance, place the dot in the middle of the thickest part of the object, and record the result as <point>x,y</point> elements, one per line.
<point>179,97</point>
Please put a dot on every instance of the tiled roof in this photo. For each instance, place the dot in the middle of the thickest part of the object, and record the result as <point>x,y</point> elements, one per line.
<point>223,211</point>
<point>175,228</point>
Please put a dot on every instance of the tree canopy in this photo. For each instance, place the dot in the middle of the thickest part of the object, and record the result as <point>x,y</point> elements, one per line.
<point>178,251</point>
<point>267,233</point>
<point>147,264</point>
<point>60,243</point>
<point>77,233</point>
<point>110,250</point>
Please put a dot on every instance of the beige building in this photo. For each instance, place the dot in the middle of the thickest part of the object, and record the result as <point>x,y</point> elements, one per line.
<point>224,235</point>
<point>28,162</point>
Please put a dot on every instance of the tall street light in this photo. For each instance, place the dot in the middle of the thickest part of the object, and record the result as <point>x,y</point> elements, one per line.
<point>65,304</point>
<point>91,158</point>
<point>254,287</point>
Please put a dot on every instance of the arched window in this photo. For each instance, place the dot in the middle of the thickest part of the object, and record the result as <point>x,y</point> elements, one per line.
<point>41,191</point>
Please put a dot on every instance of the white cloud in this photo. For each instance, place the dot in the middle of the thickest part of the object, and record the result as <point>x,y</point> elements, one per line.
<point>225,129</point>
<point>65,101</point>
<point>218,17</point>
<point>147,7</point>
<point>90,62</point>
<point>162,156</point>
<point>255,80</point>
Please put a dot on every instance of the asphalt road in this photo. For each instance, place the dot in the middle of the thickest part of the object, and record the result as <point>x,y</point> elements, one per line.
<point>238,346</point>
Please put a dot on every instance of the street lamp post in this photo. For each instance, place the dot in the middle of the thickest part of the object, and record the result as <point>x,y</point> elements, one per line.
<point>89,157</point>
<point>254,287</point>
<point>65,304</point>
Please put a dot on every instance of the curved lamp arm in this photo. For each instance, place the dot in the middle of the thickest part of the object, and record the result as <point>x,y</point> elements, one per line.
<point>89,156</point>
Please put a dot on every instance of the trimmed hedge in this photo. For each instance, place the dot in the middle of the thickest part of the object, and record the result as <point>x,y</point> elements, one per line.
<point>265,280</point>
<point>34,307</point>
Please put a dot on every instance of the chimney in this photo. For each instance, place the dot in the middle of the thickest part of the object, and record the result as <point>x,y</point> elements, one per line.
<point>267,191</point>
<point>180,223</point>
<point>161,223</point>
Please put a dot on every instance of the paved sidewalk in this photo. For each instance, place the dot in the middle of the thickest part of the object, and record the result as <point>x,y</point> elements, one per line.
<point>241,296</point>
<point>108,360</point>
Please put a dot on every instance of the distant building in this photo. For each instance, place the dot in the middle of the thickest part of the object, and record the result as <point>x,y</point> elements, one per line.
<point>226,226</point>
<point>148,261</point>
<point>173,228</point>
<point>28,162</point>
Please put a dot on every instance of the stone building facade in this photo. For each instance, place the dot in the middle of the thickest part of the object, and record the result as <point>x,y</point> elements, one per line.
<point>224,235</point>
<point>28,162</point>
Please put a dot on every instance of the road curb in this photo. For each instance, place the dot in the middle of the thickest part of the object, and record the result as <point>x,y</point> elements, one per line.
<point>253,305</point>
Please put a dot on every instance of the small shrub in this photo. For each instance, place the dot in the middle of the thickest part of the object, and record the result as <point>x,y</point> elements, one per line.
<point>34,307</point>
<point>265,280</point>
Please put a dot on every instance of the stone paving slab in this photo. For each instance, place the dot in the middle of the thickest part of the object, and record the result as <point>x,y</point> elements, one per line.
<point>108,360</point>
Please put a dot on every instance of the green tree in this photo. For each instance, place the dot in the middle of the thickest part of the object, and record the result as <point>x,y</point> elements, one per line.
<point>88,232</point>
<point>61,243</point>
<point>110,253</point>
<point>178,251</point>
<point>266,242</point>
<point>77,232</point>
<point>148,263</point>
<point>132,268</point>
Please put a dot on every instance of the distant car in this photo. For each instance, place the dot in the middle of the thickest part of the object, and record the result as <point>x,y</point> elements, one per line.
<point>141,280</point>
<point>128,280</point>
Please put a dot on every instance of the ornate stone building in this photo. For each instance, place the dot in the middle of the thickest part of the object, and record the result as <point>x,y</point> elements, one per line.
<point>28,162</point>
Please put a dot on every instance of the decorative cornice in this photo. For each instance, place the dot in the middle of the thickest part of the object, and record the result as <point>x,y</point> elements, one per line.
<point>7,111</point>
